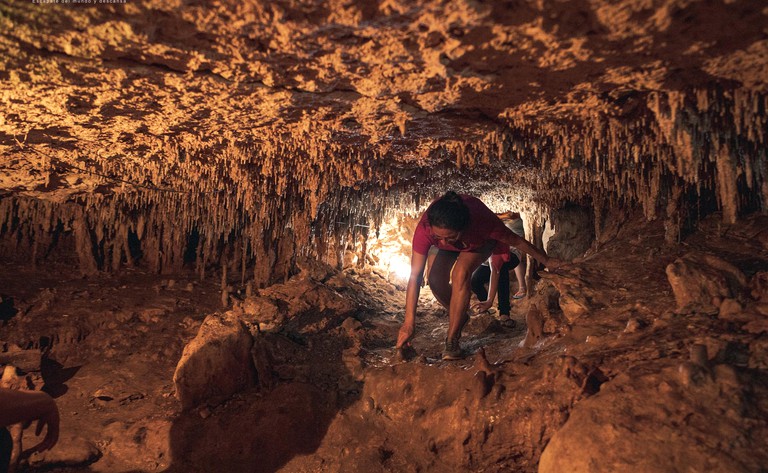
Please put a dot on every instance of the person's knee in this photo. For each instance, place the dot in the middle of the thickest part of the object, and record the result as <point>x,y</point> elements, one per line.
<point>461,277</point>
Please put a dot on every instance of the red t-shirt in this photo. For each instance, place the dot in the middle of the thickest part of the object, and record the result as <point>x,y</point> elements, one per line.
<point>484,225</point>
<point>498,258</point>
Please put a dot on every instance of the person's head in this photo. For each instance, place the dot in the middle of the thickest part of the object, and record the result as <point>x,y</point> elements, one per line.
<point>448,217</point>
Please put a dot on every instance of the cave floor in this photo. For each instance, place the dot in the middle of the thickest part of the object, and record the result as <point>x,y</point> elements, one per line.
<point>613,349</point>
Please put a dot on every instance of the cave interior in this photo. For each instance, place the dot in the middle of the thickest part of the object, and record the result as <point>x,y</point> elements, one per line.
<point>206,214</point>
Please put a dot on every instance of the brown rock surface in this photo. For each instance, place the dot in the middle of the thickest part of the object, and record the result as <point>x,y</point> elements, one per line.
<point>216,364</point>
<point>702,281</point>
<point>160,159</point>
<point>206,113</point>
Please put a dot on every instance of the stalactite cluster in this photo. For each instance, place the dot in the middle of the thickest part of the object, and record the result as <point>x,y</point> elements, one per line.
<point>183,139</point>
<point>234,200</point>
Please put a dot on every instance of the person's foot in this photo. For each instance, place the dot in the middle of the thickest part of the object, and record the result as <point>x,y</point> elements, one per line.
<point>519,294</point>
<point>453,350</point>
<point>507,321</point>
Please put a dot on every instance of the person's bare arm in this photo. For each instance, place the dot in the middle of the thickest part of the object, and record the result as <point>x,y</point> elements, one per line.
<point>523,245</point>
<point>27,406</point>
<point>412,298</point>
<point>510,215</point>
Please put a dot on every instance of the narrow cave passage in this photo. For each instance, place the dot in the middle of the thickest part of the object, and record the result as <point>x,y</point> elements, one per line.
<point>207,212</point>
<point>302,374</point>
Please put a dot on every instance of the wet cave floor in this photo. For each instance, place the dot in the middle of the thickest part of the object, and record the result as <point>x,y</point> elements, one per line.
<point>614,371</point>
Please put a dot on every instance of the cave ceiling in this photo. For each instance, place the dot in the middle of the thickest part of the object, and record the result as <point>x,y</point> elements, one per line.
<point>230,111</point>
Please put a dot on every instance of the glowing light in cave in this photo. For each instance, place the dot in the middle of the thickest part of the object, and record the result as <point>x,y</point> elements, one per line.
<point>400,266</point>
<point>392,249</point>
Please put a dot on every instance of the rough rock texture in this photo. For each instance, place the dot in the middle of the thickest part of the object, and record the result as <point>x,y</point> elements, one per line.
<point>569,233</point>
<point>682,408</point>
<point>629,384</point>
<point>160,159</point>
<point>217,363</point>
<point>703,281</point>
<point>178,133</point>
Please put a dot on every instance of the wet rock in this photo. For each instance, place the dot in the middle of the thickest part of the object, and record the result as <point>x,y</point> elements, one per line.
<point>44,301</point>
<point>216,363</point>
<point>699,281</point>
<point>314,269</point>
<point>152,315</point>
<point>482,384</point>
<point>149,448</point>
<point>576,297</point>
<point>587,378</point>
<point>699,355</point>
<point>691,374</point>
<point>309,303</point>
<point>352,327</point>
<point>757,327</point>
<point>634,425</point>
<point>758,286</point>
<point>482,323</point>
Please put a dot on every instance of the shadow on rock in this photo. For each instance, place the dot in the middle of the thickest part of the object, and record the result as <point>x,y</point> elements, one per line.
<point>254,400</point>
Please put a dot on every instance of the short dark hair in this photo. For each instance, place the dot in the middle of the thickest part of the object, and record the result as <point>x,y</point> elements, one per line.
<point>449,212</point>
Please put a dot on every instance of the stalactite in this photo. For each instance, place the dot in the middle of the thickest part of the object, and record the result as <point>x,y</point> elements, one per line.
<point>248,191</point>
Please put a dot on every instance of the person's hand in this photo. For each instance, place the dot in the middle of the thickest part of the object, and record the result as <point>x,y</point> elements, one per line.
<point>554,263</point>
<point>480,307</point>
<point>405,335</point>
<point>50,421</point>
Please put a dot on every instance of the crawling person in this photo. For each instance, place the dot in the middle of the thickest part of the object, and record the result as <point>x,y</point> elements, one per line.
<point>466,232</point>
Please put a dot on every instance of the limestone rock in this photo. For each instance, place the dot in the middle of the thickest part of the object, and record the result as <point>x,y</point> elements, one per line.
<point>217,363</point>
<point>262,311</point>
<point>656,423</point>
<point>569,233</point>
<point>150,448</point>
<point>303,300</point>
<point>701,281</point>
<point>71,450</point>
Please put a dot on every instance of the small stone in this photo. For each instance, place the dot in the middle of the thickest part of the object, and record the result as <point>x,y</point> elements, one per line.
<point>730,309</point>
<point>633,325</point>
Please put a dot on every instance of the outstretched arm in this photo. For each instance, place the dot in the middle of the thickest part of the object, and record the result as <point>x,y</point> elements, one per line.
<point>523,245</point>
<point>412,298</point>
<point>27,406</point>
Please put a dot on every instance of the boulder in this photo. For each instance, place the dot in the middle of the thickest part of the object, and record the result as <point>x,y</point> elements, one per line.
<point>660,423</point>
<point>702,281</point>
<point>217,363</point>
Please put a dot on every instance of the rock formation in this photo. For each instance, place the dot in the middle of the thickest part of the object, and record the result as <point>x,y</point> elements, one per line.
<point>261,165</point>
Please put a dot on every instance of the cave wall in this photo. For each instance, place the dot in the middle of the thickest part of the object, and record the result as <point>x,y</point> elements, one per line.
<point>172,133</point>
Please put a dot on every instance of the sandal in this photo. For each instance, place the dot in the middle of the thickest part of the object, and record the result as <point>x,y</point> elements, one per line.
<point>519,295</point>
